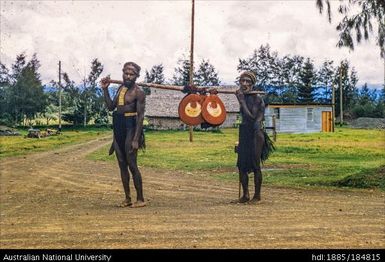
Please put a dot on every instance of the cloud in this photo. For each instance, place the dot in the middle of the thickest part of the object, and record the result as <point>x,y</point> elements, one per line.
<point>154,32</point>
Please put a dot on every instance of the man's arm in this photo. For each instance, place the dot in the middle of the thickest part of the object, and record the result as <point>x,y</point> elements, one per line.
<point>254,112</point>
<point>109,103</point>
<point>140,105</point>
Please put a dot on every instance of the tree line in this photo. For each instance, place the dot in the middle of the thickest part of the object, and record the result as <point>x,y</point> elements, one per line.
<point>290,79</point>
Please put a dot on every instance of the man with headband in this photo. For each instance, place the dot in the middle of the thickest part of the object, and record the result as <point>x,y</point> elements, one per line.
<point>129,103</point>
<point>253,141</point>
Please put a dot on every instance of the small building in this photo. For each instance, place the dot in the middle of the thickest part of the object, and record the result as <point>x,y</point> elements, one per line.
<point>296,118</point>
<point>162,113</point>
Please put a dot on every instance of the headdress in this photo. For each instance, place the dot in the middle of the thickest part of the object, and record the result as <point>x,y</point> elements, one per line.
<point>251,75</point>
<point>133,66</point>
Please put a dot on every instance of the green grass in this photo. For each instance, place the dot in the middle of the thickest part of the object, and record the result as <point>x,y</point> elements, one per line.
<point>345,158</point>
<point>19,145</point>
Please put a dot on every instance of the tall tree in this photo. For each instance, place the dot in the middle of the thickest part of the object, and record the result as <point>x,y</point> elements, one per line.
<point>306,88</point>
<point>263,63</point>
<point>22,90</point>
<point>91,97</point>
<point>365,105</point>
<point>349,79</point>
<point>206,74</point>
<point>379,110</point>
<point>359,23</point>
<point>71,102</point>
<point>325,77</point>
<point>155,76</point>
<point>5,88</point>
<point>182,73</point>
<point>291,68</point>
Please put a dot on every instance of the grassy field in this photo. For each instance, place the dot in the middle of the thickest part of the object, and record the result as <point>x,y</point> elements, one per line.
<point>18,145</point>
<point>346,158</point>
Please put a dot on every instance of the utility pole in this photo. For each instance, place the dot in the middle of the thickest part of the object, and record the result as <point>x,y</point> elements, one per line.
<point>333,106</point>
<point>341,99</point>
<point>85,103</point>
<point>59,96</point>
<point>192,58</point>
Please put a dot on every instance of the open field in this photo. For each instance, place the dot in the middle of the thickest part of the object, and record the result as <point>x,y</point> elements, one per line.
<point>347,158</point>
<point>18,145</point>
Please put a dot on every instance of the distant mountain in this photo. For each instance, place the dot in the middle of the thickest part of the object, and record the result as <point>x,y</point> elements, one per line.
<point>375,86</point>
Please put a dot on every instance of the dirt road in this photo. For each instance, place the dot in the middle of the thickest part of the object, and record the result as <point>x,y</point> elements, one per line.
<point>58,199</point>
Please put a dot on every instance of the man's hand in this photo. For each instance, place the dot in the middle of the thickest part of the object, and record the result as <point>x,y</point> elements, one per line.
<point>134,146</point>
<point>105,83</point>
<point>240,96</point>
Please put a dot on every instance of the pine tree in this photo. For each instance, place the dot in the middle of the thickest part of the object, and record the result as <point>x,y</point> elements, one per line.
<point>5,89</point>
<point>206,74</point>
<point>306,87</point>
<point>91,96</point>
<point>291,67</point>
<point>22,90</point>
<point>263,63</point>
<point>155,76</point>
<point>325,77</point>
<point>181,75</point>
<point>349,79</point>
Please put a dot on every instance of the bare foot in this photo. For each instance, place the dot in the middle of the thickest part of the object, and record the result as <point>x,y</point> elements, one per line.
<point>125,203</point>
<point>244,199</point>
<point>138,204</point>
<point>255,200</point>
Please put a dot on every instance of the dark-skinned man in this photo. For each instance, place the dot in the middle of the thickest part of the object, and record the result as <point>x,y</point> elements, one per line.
<point>251,137</point>
<point>129,104</point>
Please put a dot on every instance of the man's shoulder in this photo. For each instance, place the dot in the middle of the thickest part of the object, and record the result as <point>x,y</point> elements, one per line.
<point>139,91</point>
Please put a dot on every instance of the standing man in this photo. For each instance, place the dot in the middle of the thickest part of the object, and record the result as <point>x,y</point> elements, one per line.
<point>129,103</point>
<point>252,138</point>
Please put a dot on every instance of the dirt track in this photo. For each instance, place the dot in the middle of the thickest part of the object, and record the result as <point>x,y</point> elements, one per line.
<point>58,199</point>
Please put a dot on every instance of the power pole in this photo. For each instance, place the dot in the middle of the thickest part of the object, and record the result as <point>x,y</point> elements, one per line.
<point>59,96</point>
<point>192,58</point>
<point>341,98</point>
<point>85,104</point>
<point>333,106</point>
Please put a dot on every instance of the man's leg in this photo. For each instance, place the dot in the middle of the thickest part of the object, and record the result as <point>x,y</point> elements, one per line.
<point>124,174</point>
<point>245,186</point>
<point>259,142</point>
<point>133,166</point>
<point>137,177</point>
<point>257,185</point>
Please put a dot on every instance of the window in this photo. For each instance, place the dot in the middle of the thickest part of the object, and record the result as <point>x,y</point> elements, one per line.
<point>276,113</point>
<point>310,114</point>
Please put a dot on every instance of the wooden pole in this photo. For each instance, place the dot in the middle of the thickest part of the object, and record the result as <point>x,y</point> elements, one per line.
<point>179,88</point>
<point>333,107</point>
<point>192,59</point>
<point>274,129</point>
<point>59,96</point>
<point>85,104</point>
<point>341,98</point>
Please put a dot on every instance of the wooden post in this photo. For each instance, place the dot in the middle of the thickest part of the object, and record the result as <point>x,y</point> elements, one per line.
<point>59,96</point>
<point>274,129</point>
<point>192,59</point>
<point>85,104</point>
<point>333,107</point>
<point>341,98</point>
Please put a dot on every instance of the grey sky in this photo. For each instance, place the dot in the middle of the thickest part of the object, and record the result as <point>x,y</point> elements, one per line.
<point>153,32</point>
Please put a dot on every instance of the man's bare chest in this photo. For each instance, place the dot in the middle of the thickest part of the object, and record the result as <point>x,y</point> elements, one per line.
<point>126,96</point>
